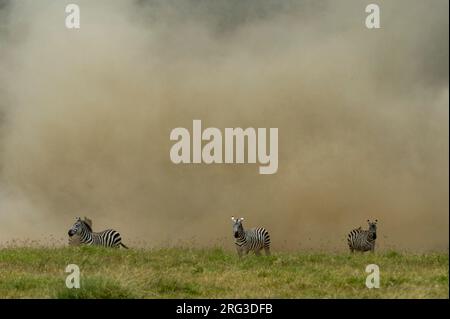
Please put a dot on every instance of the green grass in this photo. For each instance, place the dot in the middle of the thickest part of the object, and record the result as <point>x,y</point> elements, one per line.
<point>215,273</point>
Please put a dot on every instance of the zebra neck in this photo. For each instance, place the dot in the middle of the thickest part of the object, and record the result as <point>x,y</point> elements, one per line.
<point>86,237</point>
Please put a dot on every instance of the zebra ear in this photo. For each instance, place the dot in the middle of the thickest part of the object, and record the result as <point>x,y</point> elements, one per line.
<point>376,220</point>
<point>368,221</point>
<point>232,218</point>
<point>242,218</point>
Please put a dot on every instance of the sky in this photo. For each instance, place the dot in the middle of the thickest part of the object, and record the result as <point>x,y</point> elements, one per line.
<point>362,118</point>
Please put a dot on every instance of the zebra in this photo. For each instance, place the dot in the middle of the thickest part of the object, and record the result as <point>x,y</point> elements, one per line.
<point>363,240</point>
<point>82,232</point>
<point>253,239</point>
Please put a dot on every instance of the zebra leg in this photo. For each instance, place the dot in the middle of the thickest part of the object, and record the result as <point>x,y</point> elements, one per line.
<point>239,251</point>
<point>258,252</point>
<point>267,251</point>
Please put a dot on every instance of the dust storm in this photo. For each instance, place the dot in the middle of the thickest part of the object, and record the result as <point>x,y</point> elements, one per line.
<point>85,118</point>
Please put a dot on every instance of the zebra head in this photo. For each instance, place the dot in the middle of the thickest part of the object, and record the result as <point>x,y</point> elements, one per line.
<point>78,227</point>
<point>372,226</point>
<point>238,229</point>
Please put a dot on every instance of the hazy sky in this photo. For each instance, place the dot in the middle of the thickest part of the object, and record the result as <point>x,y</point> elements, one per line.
<point>85,118</point>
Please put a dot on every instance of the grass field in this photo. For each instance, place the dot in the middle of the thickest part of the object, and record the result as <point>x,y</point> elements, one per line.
<point>214,273</point>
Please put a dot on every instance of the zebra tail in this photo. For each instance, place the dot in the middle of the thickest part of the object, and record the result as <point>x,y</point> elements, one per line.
<point>121,244</point>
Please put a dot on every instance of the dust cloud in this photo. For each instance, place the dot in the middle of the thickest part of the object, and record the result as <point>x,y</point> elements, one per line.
<point>85,118</point>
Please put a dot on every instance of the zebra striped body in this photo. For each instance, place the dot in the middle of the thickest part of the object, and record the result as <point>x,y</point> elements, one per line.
<point>84,235</point>
<point>254,239</point>
<point>363,240</point>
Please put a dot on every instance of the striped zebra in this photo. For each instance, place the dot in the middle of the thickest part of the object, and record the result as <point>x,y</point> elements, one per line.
<point>253,239</point>
<point>363,240</point>
<point>81,233</point>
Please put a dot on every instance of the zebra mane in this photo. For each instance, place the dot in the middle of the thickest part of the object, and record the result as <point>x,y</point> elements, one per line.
<point>88,221</point>
<point>87,225</point>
